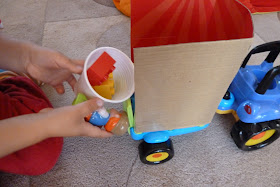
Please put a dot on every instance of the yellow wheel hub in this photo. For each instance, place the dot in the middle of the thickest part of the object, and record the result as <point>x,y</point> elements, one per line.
<point>157,157</point>
<point>259,138</point>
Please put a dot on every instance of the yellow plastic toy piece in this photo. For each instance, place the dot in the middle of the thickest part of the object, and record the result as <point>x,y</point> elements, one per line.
<point>260,137</point>
<point>228,112</point>
<point>157,157</point>
<point>106,89</point>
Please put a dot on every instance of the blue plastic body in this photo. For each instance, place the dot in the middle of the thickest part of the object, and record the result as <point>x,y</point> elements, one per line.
<point>162,136</point>
<point>250,106</point>
<point>98,120</point>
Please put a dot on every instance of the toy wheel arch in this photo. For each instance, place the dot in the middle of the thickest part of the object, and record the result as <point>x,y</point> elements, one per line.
<point>252,136</point>
<point>156,153</point>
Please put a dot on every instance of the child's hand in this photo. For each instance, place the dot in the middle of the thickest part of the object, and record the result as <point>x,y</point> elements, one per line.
<point>22,131</point>
<point>69,120</point>
<point>40,63</point>
<point>51,67</point>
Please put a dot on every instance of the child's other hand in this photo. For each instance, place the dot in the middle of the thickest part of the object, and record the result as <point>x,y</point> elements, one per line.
<point>51,67</point>
<point>69,121</point>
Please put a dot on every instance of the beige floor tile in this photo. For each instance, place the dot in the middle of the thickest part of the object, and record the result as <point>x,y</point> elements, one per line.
<point>58,10</point>
<point>257,58</point>
<point>92,162</point>
<point>117,36</point>
<point>267,26</point>
<point>23,19</point>
<point>77,38</point>
<point>105,2</point>
<point>257,40</point>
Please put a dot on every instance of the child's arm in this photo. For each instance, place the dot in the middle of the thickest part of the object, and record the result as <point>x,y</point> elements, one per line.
<point>19,132</point>
<point>40,63</point>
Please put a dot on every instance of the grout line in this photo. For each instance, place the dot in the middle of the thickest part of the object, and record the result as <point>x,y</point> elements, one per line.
<point>255,32</point>
<point>130,172</point>
<point>97,41</point>
<point>83,18</point>
<point>44,23</point>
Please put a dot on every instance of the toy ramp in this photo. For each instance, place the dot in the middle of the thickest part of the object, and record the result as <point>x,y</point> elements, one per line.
<point>186,53</point>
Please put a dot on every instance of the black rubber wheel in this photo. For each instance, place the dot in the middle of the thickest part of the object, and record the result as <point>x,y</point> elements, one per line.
<point>252,136</point>
<point>156,153</point>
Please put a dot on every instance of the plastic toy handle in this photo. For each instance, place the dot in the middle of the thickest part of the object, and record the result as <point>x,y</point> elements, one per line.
<point>267,80</point>
<point>273,47</point>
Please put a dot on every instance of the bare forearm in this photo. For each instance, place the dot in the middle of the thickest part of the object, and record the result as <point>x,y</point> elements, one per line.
<point>12,54</point>
<point>19,132</point>
<point>22,131</point>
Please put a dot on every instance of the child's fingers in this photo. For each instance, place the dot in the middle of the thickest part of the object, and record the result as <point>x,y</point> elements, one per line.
<point>59,88</point>
<point>95,132</point>
<point>78,62</point>
<point>44,110</point>
<point>87,107</point>
<point>114,113</point>
<point>72,81</point>
<point>71,65</point>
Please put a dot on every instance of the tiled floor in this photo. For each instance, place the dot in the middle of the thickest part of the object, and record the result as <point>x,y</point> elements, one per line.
<point>22,22</point>
<point>206,158</point>
<point>58,10</point>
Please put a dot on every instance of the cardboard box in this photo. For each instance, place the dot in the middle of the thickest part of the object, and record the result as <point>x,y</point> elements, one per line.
<point>186,54</point>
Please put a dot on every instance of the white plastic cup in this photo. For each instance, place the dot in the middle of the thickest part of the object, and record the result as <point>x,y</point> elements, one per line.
<point>123,76</point>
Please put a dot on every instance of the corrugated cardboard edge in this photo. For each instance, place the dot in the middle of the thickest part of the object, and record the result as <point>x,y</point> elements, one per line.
<point>181,85</point>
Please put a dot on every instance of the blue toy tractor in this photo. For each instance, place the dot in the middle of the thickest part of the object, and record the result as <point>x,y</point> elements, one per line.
<point>254,99</point>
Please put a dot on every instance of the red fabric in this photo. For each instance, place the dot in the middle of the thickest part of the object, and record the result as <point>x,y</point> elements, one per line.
<point>165,22</point>
<point>19,95</point>
<point>256,6</point>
